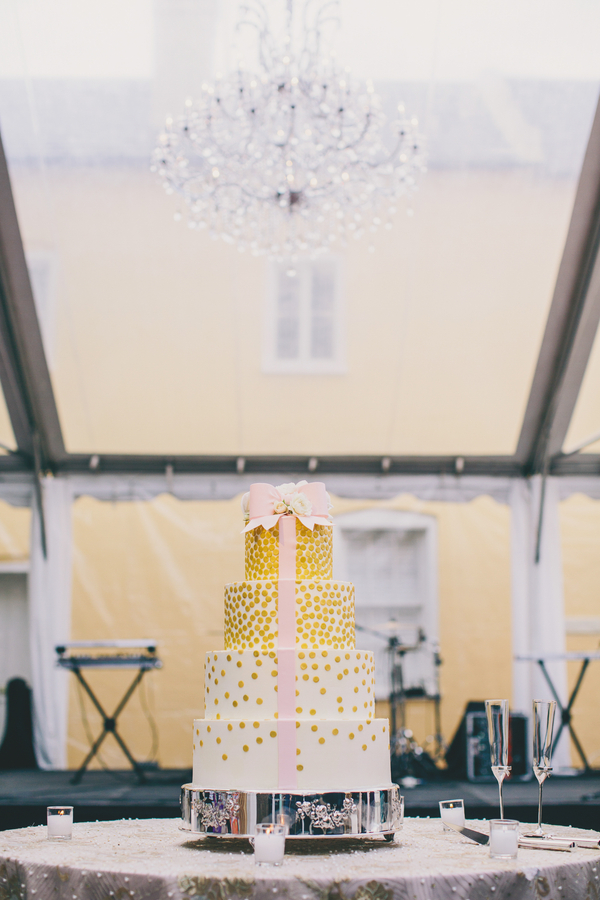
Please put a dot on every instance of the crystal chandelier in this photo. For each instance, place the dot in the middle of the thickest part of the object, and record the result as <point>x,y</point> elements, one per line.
<point>291,157</point>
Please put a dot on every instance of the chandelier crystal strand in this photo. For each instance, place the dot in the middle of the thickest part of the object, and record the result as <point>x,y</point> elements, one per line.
<point>290,158</point>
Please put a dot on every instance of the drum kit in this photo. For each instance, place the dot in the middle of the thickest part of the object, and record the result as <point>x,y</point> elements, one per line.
<point>409,759</point>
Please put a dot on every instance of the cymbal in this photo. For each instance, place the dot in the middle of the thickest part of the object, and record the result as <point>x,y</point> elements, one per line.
<point>393,625</point>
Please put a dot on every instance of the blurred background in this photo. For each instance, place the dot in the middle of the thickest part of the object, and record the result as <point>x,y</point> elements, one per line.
<point>406,371</point>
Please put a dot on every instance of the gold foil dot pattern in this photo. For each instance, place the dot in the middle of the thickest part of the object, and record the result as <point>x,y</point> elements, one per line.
<point>313,552</point>
<point>324,615</point>
<point>336,674</point>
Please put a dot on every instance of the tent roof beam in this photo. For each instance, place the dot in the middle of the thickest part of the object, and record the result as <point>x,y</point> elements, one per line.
<point>571,326</point>
<point>24,371</point>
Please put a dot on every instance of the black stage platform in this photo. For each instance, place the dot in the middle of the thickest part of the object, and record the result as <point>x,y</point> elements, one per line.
<point>25,795</point>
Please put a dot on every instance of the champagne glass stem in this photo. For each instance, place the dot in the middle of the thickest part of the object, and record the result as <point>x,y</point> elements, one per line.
<point>540,809</point>
<point>501,800</point>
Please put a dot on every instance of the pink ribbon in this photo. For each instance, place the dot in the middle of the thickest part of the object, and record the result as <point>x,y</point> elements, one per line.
<point>286,654</point>
<point>264,496</point>
<point>262,512</point>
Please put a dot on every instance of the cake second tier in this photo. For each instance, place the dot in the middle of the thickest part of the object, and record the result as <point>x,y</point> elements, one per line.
<point>313,552</point>
<point>324,615</point>
<point>330,684</point>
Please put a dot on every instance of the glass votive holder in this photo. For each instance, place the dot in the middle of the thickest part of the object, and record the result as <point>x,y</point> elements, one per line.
<point>269,844</point>
<point>504,838</point>
<point>60,823</point>
<point>452,811</point>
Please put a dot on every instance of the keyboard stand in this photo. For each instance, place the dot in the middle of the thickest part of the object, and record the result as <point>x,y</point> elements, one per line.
<point>109,726</point>
<point>143,662</point>
<point>566,714</point>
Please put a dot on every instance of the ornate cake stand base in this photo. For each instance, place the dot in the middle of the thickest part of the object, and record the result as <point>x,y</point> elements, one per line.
<point>308,814</point>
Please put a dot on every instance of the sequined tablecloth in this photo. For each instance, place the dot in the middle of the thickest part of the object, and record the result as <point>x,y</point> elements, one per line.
<point>150,859</point>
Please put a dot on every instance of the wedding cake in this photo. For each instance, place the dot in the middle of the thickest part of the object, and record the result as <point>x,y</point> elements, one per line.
<point>289,702</point>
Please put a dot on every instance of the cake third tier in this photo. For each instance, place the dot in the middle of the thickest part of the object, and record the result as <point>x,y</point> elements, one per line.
<point>324,613</point>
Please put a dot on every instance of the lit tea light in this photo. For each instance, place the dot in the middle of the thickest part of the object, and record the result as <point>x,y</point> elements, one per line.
<point>504,838</point>
<point>269,844</point>
<point>60,823</point>
<point>452,812</point>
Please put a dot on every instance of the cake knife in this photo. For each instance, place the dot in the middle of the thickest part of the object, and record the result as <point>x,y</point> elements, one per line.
<point>527,843</point>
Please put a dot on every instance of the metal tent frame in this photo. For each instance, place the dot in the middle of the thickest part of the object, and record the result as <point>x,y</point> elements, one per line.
<point>564,353</point>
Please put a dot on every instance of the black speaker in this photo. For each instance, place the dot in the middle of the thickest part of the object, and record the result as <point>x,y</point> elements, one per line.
<point>479,766</point>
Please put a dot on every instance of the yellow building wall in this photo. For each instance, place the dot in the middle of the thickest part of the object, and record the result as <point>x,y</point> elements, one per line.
<point>157,570</point>
<point>160,330</point>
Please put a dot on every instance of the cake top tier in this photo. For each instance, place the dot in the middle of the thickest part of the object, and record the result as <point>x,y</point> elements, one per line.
<point>288,531</point>
<point>264,504</point>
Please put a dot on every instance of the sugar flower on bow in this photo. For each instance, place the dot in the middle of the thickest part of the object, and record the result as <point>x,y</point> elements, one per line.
<point>290,502</point>
<point>287,500</point>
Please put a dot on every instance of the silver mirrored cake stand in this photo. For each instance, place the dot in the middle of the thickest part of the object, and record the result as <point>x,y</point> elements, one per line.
<point>338,814</point>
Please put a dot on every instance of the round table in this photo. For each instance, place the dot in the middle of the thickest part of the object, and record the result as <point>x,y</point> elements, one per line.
<point>151,859</point>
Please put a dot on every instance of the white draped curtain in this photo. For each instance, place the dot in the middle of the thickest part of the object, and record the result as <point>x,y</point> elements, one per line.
<point>50,620</point>
<point>538,614</point>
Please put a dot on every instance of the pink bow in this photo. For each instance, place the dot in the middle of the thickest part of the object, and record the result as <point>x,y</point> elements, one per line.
<point>264,496</point>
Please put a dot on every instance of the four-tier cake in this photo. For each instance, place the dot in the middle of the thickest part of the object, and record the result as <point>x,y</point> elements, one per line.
<point>289,702</point>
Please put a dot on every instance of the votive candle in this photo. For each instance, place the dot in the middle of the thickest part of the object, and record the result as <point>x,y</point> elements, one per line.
<point>452,812</point>
<point>269,844</point>
<point>60,823</point>
<point>504,838</point>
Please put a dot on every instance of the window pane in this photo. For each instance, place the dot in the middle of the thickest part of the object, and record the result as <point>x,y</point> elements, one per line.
<point>321,337</point>
<point>323,287</point>
<point>288,339</point>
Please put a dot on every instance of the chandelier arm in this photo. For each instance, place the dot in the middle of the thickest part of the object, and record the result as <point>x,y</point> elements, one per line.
<point>258,9</point>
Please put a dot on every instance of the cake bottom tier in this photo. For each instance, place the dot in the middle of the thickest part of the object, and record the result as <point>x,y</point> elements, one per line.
<point>331,755</point>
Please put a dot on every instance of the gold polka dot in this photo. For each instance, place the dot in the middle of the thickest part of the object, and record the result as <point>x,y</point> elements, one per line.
<point>242,724</point>
<point>364,746</point>
<point>335,731</point>
<point>373,736</point>
<point>351,736</point>
<point>224,756</point>
<point>208,728</point>
<point>229,727</point>
<point>256,724</point>
<point>313,712</point>
<point>300,768</point>
<point>298,751</point>
<point>202,743</point>
<point>259,701</point>
<point>218,740</point>
<point>259,740</point>
<point>314,727</point>
<point>298,709</point>
<point>321,740</point>
<point>273,733</point>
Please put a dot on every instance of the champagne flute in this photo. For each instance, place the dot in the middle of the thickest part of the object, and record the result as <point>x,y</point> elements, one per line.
<point>543,735</point>
<point>497,719</point>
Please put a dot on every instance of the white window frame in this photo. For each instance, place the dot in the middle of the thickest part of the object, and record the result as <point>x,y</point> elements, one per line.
<point>304,363</point>
<point>403,521</point>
